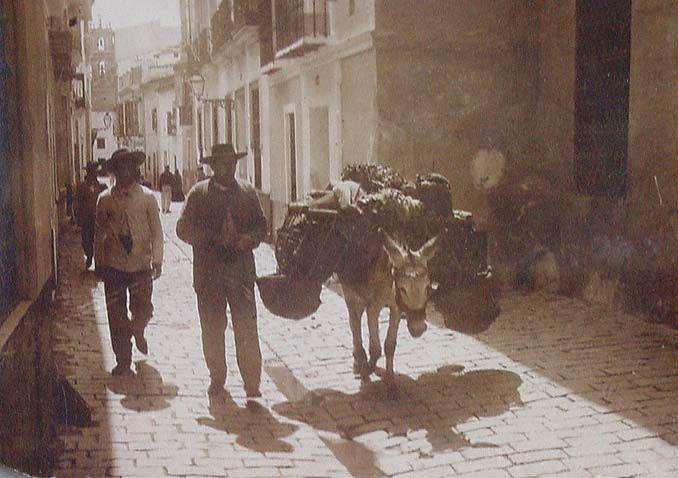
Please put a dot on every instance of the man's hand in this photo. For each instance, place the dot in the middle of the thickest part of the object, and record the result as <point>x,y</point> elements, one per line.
<point>244,242</point>
<point>228,237</point>
<point>156,270</point>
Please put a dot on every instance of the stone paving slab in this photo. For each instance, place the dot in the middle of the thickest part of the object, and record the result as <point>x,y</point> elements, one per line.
<point>555,387</point>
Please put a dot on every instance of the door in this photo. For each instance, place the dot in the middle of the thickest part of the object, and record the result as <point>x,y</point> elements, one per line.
<point>255,134</point>
<point>7,131</point>
<point>291,153</point>
<point>602,71</point>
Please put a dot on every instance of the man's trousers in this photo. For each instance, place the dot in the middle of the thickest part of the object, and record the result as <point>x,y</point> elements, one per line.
<point>212,310</point>
<point>87,238</point>
<point>166,198</point>
<point>117,284</point>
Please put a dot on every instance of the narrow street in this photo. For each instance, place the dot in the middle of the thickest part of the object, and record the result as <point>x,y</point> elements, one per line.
<point>555,387</point>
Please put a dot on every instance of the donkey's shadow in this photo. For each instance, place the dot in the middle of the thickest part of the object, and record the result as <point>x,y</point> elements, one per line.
<point>435,402</point>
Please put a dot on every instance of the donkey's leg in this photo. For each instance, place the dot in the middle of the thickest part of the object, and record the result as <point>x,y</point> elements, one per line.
<point>373,328</point>
<point>355,313</point>
<point>390,342</point>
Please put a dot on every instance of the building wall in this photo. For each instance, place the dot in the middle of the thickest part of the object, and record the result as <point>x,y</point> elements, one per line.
<point>358,108</point>
<point>453,81</point>
<point>653,142</point>
<point>345,24</point>
<point>34,169</point>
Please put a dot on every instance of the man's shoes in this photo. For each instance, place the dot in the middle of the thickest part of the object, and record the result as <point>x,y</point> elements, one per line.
<point>140,342</point>
<point>252,393</point>
<point>122,371</point>
<point>215,387</point>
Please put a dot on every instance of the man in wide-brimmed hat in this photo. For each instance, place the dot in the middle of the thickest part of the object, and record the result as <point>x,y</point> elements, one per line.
<point>223,221</point>
<point>85,209</point>
<point>129,247</point>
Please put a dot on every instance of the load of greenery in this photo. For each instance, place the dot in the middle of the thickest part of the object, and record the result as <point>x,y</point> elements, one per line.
<point>412,212</point>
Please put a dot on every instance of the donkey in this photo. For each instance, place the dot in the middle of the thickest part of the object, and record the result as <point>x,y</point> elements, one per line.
<point>397,279</point>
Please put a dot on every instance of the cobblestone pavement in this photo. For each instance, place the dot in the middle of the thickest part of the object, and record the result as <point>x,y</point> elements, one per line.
<point>554,388</point>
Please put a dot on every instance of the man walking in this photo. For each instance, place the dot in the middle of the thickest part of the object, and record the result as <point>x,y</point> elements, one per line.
<point>223,221</point>
<point>129,246</point>
<point>166,187</point>
<point>86,203</point>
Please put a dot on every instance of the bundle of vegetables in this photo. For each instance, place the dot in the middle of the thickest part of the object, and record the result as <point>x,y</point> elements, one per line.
<point>373,177</point>
<point>308,246</point>
<point>434,191</point>
<point>403,217</point>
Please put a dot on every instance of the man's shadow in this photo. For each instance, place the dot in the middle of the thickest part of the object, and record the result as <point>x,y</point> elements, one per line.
<point>255,426</point>
<point>435,402</point>
<point>145,391</point>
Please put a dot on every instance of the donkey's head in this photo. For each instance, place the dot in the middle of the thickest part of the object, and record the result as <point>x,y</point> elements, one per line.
<point>411,280</point>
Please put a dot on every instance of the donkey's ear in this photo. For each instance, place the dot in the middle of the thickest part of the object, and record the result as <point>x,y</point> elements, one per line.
<point>396,254</point>
<point>428,250</point>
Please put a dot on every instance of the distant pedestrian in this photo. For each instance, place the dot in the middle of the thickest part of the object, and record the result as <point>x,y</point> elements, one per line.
<point>85,209</point>
<point>178,191</point>
<point>166,187</point>
<point>223,221</point>
<point>129,246</point>
<point>69,203</point>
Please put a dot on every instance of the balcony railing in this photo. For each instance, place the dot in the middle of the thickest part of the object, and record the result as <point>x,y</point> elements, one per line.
<point>300,26</point>
<point>226,23</point>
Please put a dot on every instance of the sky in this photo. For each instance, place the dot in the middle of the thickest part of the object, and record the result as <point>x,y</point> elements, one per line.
<point>124,13</point>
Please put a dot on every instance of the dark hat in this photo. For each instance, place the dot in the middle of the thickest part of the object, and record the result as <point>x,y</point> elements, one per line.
<point>123,156</point>
<point>92,167</point>
<point>222,152</point>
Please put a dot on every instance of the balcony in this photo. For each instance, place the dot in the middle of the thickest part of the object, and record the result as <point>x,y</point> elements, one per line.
<point>227,23</point>
<point>60,49</point>
<point>301,26</point>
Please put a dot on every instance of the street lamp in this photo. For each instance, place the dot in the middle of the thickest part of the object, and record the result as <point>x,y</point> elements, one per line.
<point>197,84</point>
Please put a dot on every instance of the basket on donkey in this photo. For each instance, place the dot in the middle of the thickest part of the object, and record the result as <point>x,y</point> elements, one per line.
<point>308,250</point>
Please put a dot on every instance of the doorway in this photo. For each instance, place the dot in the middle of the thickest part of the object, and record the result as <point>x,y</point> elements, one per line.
<point>291,140</point>
<point>602,74</point>
<point>255,133</point>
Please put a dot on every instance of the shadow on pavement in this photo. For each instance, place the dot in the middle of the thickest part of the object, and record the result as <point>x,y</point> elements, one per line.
<point>255,426</point>
<point>145,391</point>
<point>435,402</point>
<point>79,351</point>
<point>617,361</point>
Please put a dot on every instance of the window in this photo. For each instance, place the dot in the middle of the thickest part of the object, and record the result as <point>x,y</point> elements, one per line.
<point>101,143</point>
<point>101,44</point>
<point>154,119</point>
<point>102,68</point>
<point>171,123</point>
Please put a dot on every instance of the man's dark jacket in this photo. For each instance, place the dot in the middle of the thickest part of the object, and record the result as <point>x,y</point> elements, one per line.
<point>206,208</point>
